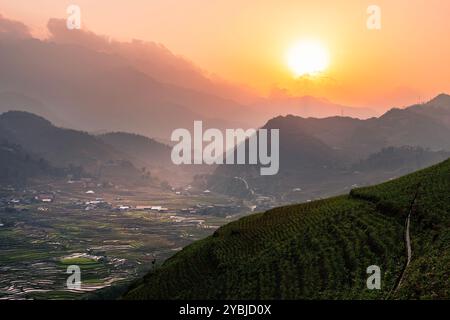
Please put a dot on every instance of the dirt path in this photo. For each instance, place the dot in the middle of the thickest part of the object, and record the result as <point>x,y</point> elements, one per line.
<point>407,237</point>
<point>408,248</point>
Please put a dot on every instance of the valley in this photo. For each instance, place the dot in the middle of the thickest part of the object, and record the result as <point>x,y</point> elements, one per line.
<point>224,154</point>
<point>114,235</point>
<point>115,205</point>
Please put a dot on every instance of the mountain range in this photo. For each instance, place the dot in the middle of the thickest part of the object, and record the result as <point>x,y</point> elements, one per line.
<point>82,80</point>
<point>328,156</point>
<point>67,151</point>
<point>319,157</point>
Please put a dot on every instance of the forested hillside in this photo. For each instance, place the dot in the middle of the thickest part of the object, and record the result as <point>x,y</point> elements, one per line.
<point>321,250</point>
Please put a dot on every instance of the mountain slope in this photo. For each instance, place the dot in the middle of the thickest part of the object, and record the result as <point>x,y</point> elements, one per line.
<point>399,128</point>
<point>148,153</point>
<point>94,90</point>
<point>321,156</point>
<point>16,166</point>
<point>303,157</point>
<point>401,159</point>
<point>145,150</point>
<point>355,138</point>
<point>152,58</point>
<point>66,148</point>
<point>62,147</point>
<point>437,108</point>
<point>321,250</point>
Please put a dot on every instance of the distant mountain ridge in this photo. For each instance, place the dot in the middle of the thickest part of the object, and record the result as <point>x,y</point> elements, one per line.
<point>318,154</point>
<point>84,81</point>
<point>437,109</point>
<point>312,150</point>
<point>95,91</point>
<point>62,147</point>
<point>309,107</point>
<point>67,148</point>
<point>118,156</point>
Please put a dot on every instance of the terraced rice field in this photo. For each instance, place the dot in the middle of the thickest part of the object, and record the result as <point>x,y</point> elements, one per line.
<point>322,249</point>
<point>110,247</point>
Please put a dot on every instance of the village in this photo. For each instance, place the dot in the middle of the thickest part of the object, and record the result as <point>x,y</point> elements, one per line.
<point>114,233</point>
<point>44,201</point>
<point>86,194</point>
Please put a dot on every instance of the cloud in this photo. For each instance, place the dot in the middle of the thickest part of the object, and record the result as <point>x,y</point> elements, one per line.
<point>11,29</point>
<point>61,34</point>
<point>154,59</point>
<point>150,57</point>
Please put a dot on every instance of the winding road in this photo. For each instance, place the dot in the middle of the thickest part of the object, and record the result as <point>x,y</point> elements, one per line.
<point>246,184</point>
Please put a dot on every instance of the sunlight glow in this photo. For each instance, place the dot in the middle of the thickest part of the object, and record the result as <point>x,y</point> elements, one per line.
<point>307,58</point>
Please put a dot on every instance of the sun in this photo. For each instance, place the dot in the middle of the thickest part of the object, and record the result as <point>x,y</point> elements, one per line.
<point>307,58</point>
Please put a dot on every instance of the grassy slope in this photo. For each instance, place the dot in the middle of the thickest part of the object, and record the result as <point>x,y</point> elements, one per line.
<point>321,250</point>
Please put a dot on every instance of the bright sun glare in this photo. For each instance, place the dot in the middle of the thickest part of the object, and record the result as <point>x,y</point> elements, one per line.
<point>307,58</point>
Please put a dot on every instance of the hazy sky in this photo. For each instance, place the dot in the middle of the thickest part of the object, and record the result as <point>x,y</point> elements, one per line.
<point>246,41</point>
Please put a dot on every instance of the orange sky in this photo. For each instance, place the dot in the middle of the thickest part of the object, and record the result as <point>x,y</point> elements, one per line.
<point>246,41</point>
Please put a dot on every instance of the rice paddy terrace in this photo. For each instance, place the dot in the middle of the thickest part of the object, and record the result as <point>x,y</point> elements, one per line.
<point>111,247</point>
<point>322,249</point>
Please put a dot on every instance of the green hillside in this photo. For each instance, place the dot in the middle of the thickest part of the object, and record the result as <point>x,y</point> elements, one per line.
<point>320,250</point>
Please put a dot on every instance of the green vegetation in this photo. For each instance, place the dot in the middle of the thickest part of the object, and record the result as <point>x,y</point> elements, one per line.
<point>81,261</point>
<point>428,275</point>
<point>321,250</point>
